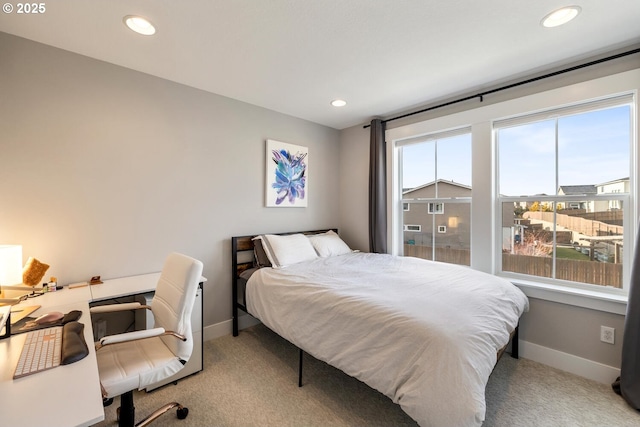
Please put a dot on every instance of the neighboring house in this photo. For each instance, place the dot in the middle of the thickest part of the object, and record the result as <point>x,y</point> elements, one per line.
<point>451,222</point>
<point>577,190</point>
<point>612,187</point>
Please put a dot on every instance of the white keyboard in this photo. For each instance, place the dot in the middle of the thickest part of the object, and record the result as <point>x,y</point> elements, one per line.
<point>41,351</point>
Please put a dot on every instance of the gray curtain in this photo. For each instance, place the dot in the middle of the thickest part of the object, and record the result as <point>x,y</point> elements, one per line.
<point>630,368</point>
<point>377,188</point>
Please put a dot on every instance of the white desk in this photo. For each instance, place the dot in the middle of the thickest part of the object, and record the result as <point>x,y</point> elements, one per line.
<point>67,395</point>
<point>124,286</point>
<point>64,396</point>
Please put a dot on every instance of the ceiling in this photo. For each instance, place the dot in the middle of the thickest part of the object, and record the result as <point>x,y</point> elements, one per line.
<point>295,56</point>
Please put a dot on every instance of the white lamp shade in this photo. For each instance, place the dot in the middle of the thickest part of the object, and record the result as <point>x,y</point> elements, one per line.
<point>10,265</point>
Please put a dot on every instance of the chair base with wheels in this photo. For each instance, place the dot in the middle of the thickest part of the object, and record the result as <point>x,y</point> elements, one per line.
<point>126,411</point>
<point>126,402</point>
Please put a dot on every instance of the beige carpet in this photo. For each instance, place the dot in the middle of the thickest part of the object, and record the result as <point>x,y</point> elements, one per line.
<point>251,380</point>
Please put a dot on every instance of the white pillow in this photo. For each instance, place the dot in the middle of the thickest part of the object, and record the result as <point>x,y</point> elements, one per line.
<point>329,244</point>
<point>286,250</point>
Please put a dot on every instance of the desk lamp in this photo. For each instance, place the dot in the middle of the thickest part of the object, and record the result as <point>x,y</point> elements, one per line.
<point>10,268</point>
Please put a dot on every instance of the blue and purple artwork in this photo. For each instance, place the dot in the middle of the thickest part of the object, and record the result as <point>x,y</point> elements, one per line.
<point>287,168</point>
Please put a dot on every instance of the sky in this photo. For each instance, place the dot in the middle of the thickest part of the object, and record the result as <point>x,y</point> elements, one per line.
<point>593,148</point>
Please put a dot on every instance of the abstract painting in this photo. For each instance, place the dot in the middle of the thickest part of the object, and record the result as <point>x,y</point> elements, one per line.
<point>287,175</point>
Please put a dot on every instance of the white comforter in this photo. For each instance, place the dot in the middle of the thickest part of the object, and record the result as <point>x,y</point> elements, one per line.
<point>423,333</point>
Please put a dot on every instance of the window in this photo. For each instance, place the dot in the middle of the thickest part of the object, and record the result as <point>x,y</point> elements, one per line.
<point>436,169</point>
<point>436,208</point>
<point>563,186</point>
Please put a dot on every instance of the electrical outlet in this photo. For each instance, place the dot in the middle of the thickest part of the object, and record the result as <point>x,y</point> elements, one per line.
<point>607,334</point>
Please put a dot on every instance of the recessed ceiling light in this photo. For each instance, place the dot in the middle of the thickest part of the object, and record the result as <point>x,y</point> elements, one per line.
<point>560,16</point>
<point>338,103</point>
<point>140,25</point>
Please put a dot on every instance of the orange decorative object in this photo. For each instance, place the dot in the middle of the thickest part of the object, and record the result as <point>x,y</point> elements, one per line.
<point>33,272</point>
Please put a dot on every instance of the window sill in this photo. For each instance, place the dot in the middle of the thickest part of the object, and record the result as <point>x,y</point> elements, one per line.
<point>602,301</point>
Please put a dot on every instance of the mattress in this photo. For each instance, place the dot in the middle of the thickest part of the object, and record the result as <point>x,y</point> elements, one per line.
<point>425,334</point>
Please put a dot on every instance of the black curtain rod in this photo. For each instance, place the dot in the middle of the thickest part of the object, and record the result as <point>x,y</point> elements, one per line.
<point>534,79</point>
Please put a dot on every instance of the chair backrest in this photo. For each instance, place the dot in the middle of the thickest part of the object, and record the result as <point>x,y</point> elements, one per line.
<point>173,301</point>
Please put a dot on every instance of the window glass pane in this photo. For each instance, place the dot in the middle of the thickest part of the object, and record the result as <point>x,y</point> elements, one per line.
<point>438,168</point>
<point>454,161</point>
<point>418,164</point>
<point>418,232</point>
<point>527,244</point>
<point>453,234</point>
<point>527,159</point>
<point>593,148</point>
<point>572,245</point>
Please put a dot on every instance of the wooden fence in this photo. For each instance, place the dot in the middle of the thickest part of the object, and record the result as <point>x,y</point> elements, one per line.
<point>452,256</point>
<point>580,225</point>
<point>592,272</point>
<point>615,217</point>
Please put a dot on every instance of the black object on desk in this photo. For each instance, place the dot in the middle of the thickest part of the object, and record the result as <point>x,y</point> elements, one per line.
<point>74,346</point>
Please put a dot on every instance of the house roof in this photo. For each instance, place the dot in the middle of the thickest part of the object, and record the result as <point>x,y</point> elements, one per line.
<point>578,189</point>
<point>443,181</point>
<point>586,189</point>
<point>614,181</point>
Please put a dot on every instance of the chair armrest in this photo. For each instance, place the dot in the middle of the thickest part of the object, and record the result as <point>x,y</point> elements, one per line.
<point>134,336</point>
<point>131,336</point>
<point>117,307</point>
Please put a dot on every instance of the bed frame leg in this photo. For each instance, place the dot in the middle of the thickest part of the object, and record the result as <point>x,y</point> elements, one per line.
<point>514,344</point>
<point>235,321</point>
<point>300,368</point>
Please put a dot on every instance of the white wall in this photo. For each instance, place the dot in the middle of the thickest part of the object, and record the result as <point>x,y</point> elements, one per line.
<point>104,170</point>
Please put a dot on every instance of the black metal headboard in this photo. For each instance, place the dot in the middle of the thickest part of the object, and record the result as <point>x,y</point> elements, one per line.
<point>244,245</point>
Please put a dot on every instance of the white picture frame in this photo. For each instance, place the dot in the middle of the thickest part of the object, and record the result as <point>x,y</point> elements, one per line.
<point>287,179</point>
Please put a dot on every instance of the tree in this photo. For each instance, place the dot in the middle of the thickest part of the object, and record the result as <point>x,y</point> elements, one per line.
<point>534,243</point>
<point>540,207</point>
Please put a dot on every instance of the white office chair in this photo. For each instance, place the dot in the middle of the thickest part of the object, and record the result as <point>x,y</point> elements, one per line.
<point>135,360</point>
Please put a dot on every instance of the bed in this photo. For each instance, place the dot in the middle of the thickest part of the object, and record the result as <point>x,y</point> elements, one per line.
<point>425,334</point>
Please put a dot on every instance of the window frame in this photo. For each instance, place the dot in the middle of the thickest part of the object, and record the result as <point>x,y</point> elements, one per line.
<point>555,113</point>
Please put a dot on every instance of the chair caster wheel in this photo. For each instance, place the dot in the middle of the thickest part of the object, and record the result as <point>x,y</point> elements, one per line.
<point>182,413</point>
<point>107,402</point>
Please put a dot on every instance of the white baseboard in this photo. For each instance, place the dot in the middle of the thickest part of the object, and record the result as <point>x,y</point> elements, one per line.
<point>568,362</point>
<point>226,328</point>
